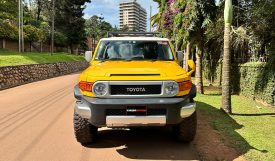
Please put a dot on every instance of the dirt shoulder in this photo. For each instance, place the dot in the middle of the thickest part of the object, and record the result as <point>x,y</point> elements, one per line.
<point>211,145</point>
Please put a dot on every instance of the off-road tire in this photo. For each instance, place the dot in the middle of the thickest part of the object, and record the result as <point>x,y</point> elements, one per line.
<point>186,130</point>
<point>85,132</point>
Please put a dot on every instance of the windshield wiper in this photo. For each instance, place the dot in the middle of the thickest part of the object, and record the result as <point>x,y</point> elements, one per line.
<point>101,60</point>
<point>137,58</point>
<point>153,60</point>
<point>115,59</point>
<point>112,59</point>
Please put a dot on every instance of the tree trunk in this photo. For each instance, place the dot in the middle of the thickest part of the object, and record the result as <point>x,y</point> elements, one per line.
<point>39,8</point>
<point>220,77</point>
<point>93,44</point>
<point>41,46</point>
<point>72,49</point>
<point>226,95</point>
<point>187,56</point>
<point>76,51</point>
<point>199,82</point>
<point>30,46</point>
<point>4,43</point>
<point>211,69</point>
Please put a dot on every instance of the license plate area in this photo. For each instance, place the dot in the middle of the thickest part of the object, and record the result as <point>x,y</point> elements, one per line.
<point>136,110</point>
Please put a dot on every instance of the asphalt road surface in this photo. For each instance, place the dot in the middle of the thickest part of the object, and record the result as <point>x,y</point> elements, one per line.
<point>36,124</point>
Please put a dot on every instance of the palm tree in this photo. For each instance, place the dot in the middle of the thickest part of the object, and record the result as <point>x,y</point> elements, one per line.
<point>157,18</point>
<point>226,95</point>
<point>200,14</point>
<point>189,25</point>
<point>199,82</point>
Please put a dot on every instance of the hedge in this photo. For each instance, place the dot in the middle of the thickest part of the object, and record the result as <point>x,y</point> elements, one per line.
<point>255,80</point>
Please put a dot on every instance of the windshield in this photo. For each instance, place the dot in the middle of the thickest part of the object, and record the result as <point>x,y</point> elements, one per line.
<point>134,50</point>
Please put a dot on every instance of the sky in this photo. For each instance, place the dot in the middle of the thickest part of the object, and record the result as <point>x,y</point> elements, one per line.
<point>110,10</point>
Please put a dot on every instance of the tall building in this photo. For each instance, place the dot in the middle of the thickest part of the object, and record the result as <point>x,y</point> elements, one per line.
<point>131,14</point>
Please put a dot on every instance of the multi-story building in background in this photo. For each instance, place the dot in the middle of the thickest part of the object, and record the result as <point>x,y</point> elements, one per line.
<point>132,15</point>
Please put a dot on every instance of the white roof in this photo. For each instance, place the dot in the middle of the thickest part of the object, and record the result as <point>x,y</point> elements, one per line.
<point>135,39</point>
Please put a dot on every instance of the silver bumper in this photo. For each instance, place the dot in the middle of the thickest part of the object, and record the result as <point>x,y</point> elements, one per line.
<point>82,109</point>
<point>94,109</point>
<point>126,121</point>
<point>187,110</point>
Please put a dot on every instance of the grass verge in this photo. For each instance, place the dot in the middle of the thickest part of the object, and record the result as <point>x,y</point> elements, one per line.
<point>251,127</point>
<point>13,58</point>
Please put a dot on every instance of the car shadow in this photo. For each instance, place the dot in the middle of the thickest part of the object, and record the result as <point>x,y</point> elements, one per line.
<point>145,143</point>
<point>258,114</point>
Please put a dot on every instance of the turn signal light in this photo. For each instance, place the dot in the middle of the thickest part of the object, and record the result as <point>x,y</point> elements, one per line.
<point>85,86</point>
<point>183,86</point>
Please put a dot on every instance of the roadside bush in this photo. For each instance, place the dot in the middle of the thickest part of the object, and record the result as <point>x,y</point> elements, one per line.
<point>31,33</point>
<point>8,31</point>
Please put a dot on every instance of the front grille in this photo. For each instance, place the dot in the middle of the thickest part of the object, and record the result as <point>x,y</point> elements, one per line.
<point>135,89</point>
<point>116,112</point>
<point>122,112</point>
<point>156,112</point>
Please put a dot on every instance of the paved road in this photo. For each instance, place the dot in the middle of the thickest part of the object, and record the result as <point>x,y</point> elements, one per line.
<point>36,125</point>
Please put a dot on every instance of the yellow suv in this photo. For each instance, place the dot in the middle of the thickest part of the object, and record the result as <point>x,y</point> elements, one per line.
<point>134,80</point>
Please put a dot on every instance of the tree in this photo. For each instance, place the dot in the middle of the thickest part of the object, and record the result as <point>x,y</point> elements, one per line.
<point>8,9</point>
<point>185,22</point>
<point>70,21</point>
<point>39,4</point>
<point>96,28</point>
<point>8,31</point>
<point>8,14</point>
<point>191,21</point>
<point>31,34</point>
<point>226,95</point>
<point>105,27</point>
<point>157,18</point>
<point>125,28</point>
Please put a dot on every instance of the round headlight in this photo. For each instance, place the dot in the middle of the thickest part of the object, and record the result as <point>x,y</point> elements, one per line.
<point>171,88</point>
<point>100,89</point>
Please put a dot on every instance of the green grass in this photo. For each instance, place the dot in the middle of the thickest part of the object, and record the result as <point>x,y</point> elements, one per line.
<point>251,127</point>
<point>12,58</point>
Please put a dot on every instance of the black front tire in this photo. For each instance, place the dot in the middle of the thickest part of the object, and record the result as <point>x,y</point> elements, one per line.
<point>186,130</point>
<point>85,132</point>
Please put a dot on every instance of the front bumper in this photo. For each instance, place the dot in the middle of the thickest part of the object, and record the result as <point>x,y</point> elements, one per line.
<point>127,121</point>
<point>94,109</point>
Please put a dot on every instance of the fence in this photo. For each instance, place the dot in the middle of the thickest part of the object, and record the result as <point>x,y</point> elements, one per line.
<point>30,47</point>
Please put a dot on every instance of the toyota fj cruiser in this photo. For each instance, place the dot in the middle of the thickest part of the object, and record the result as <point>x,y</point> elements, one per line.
<point>134,80</point>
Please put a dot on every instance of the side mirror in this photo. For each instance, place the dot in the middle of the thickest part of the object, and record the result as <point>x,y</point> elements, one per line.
<point>192,65</point>
<point>180,56</point>
<point>88,56</point>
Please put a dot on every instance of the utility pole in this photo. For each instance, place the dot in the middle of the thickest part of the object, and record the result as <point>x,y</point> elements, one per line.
<point>52,29</point>
<point>22,26</point>
<point>150,19</point>
<point>19,26</point>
